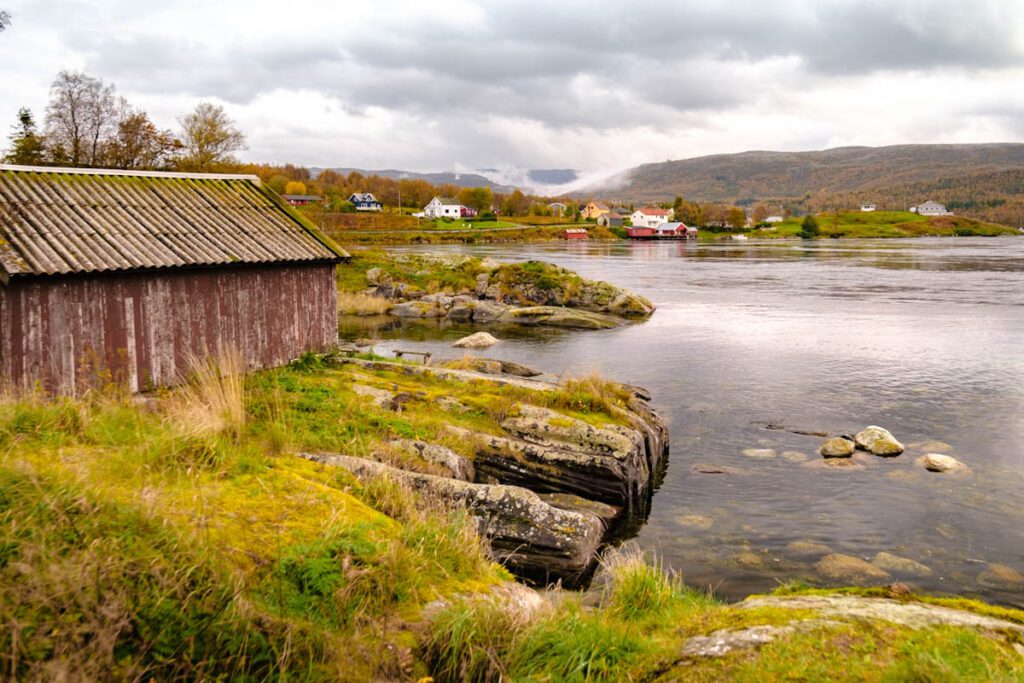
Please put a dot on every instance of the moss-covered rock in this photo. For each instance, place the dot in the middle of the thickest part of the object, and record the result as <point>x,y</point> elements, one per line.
<point>529,536</point>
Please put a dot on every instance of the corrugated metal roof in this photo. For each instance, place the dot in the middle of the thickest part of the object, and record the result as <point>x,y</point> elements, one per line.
<point>57,221</point>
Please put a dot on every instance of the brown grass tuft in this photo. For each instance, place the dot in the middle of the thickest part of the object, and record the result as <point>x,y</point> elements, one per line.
<point>357,303</point>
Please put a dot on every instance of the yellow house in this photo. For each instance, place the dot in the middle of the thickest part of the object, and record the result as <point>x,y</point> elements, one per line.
<point>595,210</point>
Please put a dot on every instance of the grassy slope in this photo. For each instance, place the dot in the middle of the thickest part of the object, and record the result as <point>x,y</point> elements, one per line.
<point>176,540</point>
<point>887,224</point>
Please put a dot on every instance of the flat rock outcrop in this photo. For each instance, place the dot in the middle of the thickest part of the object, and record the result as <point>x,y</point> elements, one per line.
<point>532,537</point>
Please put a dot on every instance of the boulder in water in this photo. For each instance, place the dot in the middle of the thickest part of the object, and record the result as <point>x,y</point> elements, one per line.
<point>879,441</point>
<point>480,340</point>
<point>936,462</point>
<point>837,447</point>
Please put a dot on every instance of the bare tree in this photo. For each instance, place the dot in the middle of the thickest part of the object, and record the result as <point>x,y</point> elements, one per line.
<point>209,138</point>
<point>83,114</point>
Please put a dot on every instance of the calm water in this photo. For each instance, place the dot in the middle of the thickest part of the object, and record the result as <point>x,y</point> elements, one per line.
<point>924,337</point>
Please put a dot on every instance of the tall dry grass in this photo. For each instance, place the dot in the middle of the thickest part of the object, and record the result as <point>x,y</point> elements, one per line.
<point>208,409</point>
<point>357,303</point>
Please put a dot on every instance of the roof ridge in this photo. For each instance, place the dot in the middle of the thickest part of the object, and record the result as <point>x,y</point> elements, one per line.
<point>66,170</point>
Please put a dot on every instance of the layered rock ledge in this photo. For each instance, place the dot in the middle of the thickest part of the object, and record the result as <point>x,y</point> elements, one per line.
<point>592,469</point>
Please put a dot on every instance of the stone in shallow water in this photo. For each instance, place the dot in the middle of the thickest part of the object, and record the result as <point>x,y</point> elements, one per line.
<point>480,340</point>
<point>936,462</point>
<point>839,567</point>
<point>794,456</point>
<point>695,521</point>
<point>1001,576</point>
<point>834,464</point>
<point>931,446</point>
<point>900,565</point>
<point>837,447</point>
<point>748,560</point>
<point>762,453</point>
<point>707,468</point>
<point>807,549</point>
<point>878,440</point>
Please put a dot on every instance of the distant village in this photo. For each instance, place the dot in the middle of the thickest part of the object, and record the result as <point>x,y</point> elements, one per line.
<point>649,222</point>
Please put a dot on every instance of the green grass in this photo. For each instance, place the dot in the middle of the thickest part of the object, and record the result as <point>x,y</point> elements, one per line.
<point>886,224</point>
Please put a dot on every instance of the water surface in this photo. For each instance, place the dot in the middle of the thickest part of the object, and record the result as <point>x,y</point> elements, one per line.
<point>924,337</point>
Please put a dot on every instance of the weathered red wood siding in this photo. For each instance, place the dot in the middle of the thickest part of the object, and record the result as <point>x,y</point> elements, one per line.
<point>67,332</point>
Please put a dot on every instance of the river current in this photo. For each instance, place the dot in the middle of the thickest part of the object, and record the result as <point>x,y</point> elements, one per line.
<point>924,337</point>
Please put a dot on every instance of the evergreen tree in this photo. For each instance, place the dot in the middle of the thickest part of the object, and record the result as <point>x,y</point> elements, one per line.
<point>27,146</point>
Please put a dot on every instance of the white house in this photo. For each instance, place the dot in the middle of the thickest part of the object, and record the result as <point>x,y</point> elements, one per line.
<point>774,219</point>
<point>930,208</point>
<point>649,217</point>
<point>441,207</point>
<point>867,207</point>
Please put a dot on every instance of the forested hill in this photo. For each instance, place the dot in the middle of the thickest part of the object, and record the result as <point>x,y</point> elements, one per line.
<point>776,175</point>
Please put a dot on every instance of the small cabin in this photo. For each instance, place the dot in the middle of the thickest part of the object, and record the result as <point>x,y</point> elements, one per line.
<point>575,234</point>
<point>867,207</point>
<point>125,276</point>
<point>640,232</point>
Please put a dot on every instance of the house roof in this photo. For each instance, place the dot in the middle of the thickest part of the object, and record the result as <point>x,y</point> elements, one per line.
<point>599,205</point>
<point>671,226</point>
<point>363,197</point>
<point>448,201</point>
<point>651,211</point>
<point>61,220</point>
<point>302,197</point>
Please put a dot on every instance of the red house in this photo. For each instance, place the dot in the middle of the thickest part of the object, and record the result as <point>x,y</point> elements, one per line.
<point>640,233</point>
<point>575,234</point>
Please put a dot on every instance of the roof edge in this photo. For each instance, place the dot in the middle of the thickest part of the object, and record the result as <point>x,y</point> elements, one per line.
<point>130,173</point>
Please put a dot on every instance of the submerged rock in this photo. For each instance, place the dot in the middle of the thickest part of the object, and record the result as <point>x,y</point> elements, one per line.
<point>529,536</point>
<point>839,567</point>
<point>748,560</point>
<point>807,549</point>
<point>695,521</point>
<point>931,446</point>
<point>936,462</point>
<point>900,565</point>
<point>834,464</point>
<point>794,456</point>
<point>706,468</point>
<point>879,441</point>
<point>557,316</point>
<point>1001,577</point>
<point>837,447</point>
<point>759,453</point>
<point>480,340</point>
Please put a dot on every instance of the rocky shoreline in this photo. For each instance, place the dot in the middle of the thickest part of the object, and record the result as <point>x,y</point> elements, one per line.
<point>550,487</point>
<point>464,289</point>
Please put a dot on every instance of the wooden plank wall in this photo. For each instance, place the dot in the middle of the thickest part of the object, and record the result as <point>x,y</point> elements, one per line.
<point>68,333</point>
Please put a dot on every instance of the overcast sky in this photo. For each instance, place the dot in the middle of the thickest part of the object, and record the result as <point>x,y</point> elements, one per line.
<point>599,85</point>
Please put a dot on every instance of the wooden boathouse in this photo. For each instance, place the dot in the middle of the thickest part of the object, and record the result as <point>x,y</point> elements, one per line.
<point>125,276</point>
